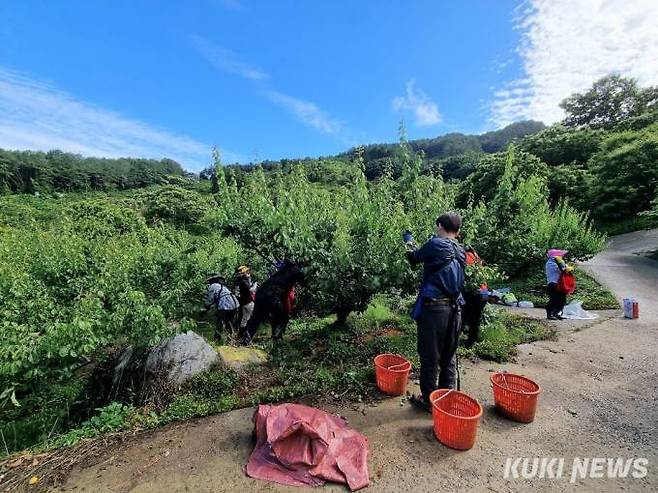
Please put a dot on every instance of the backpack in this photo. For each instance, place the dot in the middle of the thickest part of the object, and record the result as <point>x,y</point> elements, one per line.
<point>567,283</point>
<point>449,277</point>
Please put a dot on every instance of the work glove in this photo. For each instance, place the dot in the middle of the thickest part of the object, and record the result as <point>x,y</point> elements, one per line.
<point>408,239</point>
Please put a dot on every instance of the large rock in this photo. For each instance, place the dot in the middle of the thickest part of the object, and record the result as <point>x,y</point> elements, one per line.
<point>177,359</point>
<point>239,357</point>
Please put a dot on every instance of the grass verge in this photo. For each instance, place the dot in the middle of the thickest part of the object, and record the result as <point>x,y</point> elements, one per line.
<point>637,223</point>
<point>532,287</point>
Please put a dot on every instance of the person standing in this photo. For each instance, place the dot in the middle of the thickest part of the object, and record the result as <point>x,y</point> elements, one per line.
<point>246,295</point>
<point>438,308</point>
<point>554,268</point>
<point>220,296</point>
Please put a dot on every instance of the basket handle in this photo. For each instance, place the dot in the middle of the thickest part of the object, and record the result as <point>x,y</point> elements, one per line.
<point>396,367</point>
<point>444,395</point>
<point>522,391</point>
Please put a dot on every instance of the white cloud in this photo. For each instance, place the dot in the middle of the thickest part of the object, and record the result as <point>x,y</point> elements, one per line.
<point>39,117</point>
<point>305,111</point>
<point>420,104</point>
<point>567,45</point>
<point>227,61</point>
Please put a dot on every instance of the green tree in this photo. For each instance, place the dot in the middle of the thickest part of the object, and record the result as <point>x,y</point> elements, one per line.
<point>485,181</point>
<point>608,102</point>
<point>625,173</point>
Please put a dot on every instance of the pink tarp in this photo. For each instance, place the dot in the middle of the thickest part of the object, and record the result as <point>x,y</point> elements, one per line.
<point>300,446</point>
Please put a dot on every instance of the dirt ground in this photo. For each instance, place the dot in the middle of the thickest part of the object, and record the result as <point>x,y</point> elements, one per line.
<point>599,400</point>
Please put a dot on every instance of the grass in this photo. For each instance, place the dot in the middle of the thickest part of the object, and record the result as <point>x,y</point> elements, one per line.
<point>637,223</point>
<point>532,287</point>
<point>313,360</point>
<point>502,332</point>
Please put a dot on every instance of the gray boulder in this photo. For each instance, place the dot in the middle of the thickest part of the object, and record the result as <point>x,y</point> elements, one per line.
<point>177,359</point>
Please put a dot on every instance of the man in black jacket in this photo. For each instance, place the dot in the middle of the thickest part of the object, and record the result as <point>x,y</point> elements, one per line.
<point>437,310</point>
<point>274,301</point>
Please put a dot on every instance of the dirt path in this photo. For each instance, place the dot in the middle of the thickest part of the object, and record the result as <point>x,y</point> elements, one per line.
<point>600,400</point>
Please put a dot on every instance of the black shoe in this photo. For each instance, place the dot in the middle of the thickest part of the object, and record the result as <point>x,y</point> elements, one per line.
<point>552,317</point>
<point>420,403</point>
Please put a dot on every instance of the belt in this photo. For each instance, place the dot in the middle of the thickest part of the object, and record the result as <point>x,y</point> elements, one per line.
<point>438,301</point>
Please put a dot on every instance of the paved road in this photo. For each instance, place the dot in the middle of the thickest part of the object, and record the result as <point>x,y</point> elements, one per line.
<point>600,400</point>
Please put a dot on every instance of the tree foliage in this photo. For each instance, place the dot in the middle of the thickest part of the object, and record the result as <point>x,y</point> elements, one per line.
<point>625,173</point>
<point>610,101</point>
<point>35,171</point>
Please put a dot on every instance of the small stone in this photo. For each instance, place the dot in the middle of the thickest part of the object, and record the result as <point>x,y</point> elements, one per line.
<point>572,412</point>
<point>621,357</point>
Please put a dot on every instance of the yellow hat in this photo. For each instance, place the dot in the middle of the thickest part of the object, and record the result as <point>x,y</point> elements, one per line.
<point>243,269</point>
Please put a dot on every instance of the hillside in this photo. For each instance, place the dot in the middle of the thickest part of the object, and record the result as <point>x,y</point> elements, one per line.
<point>438,152</point>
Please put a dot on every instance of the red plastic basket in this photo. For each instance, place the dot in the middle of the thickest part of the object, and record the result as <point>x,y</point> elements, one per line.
<point>456,416</point>
<point>392,373</point>
<point>515,396</point>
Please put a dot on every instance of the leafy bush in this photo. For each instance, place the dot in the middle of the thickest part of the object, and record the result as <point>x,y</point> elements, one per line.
<point>625,174</point>
<point>175,205</point>
<point>64,295</point>
<point>501,332</point>
<point>514,229</point>
<point>111,418</point>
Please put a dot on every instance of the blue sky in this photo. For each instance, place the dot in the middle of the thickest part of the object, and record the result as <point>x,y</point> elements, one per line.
<point>271,79</point>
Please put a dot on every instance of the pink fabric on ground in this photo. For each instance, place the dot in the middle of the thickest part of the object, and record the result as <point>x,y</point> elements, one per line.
<point>302,446</point>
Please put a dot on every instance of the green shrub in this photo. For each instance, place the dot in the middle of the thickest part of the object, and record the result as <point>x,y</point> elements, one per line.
<point>501,332</point>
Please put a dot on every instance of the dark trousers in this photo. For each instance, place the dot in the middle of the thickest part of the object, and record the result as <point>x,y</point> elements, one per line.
<point>267,310</point>
<point>472,316</point>
<point>225,322</point>
<point>438,336</point>
<point>556,300</point>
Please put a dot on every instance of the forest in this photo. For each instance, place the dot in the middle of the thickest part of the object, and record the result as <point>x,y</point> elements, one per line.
<point>98,254</point>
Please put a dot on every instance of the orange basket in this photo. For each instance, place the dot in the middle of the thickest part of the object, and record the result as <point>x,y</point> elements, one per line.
<point>392,373</point>
<point>456,416</point>
<point>515,396</point>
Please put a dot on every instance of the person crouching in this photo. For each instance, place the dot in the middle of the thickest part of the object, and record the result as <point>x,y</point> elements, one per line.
<point>219,295</point>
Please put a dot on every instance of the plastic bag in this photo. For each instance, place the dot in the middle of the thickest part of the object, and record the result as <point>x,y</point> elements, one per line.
<point>575,311</point>
<point>302,446</point>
